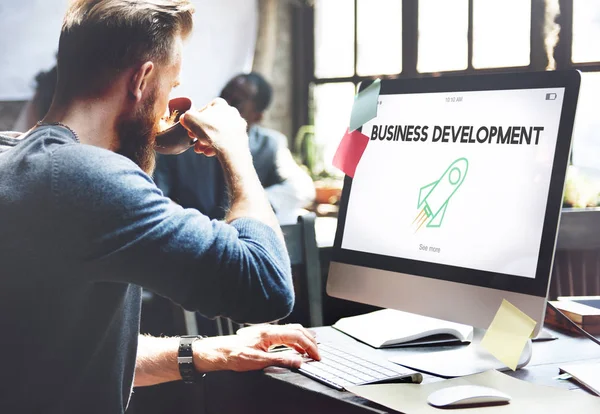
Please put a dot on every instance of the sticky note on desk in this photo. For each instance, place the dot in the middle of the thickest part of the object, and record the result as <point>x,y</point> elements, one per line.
<point>508,334</point>
<point>365,105</point>
<point>350,151</point>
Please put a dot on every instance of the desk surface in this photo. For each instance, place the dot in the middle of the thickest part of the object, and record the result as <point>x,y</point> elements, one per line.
<point>279,390</point>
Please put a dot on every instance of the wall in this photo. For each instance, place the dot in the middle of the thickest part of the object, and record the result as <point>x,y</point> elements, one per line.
<point>9,112</point>
<point>273,59</point>
<point>221,46</point>
<point>29,42</point>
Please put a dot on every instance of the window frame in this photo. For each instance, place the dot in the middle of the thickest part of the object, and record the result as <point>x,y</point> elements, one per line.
<point>538,61</point>
<point>410,38</point>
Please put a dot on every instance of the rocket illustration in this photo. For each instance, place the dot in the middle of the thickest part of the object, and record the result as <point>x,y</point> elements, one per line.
<point>434,197</point>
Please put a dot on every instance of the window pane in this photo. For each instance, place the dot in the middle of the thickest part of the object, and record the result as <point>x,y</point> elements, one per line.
<point>334,38</point>
<point>586,145</point>
<point>586,31</point>
<point>332,108</point>
<point>379,37</point>
<point>443,27</point>
<point>501,33</point>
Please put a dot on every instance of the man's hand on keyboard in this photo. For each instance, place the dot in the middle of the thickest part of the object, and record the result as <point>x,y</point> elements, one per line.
<point>249,349</point>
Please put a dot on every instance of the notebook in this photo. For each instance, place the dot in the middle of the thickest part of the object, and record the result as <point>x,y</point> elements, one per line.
<point>592,301</point>
<point>391,328</point>
<point>582,312</point>
<point>586,374</point>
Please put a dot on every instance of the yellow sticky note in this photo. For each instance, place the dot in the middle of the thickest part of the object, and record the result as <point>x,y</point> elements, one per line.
<point>508,333</point>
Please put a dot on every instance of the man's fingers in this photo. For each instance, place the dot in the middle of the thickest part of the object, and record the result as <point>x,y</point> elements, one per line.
<point>282,359</point>
<point>207,151</point>
<point>202,143</point>
<point>218,101</point>
<point>202,146</point>
<point>299,341</point>
<point>210,152</point>
<point>306,337</point>
<point>298,348</point>
<point>310,334</point>
<point>252,359</point>
<point>192,121</point>
<point>292,335</point>
<point>310,346</point>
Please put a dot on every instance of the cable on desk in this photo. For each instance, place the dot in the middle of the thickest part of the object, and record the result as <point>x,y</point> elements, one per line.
<point>577,327</point>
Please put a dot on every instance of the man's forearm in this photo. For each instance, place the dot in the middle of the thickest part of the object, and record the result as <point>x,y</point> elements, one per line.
<point>221,131</point>
<point>248,198</point>
<point>156,361</point>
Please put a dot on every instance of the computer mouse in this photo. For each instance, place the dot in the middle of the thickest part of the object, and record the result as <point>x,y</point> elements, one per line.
<point>467,395</point>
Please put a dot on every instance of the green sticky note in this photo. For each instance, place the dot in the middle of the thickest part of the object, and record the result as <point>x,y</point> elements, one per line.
<point>508,334</point>
<point>365,105</point>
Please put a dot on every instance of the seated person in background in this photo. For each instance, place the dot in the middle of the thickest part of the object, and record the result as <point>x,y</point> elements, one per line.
<point>198,182</point>
<point>36,108</point>
<point>84,228</point>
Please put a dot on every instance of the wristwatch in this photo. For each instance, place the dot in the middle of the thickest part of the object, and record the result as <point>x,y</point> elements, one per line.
<point>185,359</point>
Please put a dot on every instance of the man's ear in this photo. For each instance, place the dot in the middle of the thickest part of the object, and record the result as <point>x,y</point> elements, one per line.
<point>140,79</point>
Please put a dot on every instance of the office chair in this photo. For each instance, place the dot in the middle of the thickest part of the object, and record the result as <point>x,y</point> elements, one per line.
<point>301,243</point>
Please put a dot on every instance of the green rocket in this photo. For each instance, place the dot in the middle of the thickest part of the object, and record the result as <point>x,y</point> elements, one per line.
<point>434,197</point>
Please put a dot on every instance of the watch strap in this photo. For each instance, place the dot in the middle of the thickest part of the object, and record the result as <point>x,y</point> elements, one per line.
<point>185,359</point>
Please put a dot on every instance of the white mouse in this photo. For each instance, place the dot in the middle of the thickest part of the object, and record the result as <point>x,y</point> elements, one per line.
<point>466,395</point>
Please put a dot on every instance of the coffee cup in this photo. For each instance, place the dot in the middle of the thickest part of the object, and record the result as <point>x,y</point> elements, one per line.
<point>175,139</point>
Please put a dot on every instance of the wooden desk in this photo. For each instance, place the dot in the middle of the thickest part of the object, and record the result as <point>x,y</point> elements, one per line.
<point>279,390</point>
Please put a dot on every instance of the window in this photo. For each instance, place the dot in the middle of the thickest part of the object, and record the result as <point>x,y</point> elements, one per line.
<point>586,31</point>
<point>334,38</point>
<point>443,35</point>
<point>354,40</point>
<point>357,40</point>
<point>333,104</point>
<point>379,37</point>
<point>501,32</point>
<point>585,56</point>
<point>586,148</point>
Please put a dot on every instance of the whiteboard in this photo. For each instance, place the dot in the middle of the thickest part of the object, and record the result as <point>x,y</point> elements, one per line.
<point>221,45</point>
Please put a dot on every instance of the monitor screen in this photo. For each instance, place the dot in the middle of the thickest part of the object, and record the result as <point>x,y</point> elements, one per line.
<point>462,180</point>
<point>457,178</point>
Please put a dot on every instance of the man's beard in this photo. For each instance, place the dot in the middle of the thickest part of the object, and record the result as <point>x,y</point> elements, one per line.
<point>137,135</point>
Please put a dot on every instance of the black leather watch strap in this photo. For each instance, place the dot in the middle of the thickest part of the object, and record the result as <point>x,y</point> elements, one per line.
<point>185,359</point>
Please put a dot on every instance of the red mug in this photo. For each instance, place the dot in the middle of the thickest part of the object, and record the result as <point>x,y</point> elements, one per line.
<point>175,139</point>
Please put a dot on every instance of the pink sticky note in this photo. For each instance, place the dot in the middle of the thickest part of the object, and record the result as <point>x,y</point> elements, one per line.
<point>350,151</point>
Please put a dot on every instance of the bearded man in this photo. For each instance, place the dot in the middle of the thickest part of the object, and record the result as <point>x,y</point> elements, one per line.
<point>84,228</point>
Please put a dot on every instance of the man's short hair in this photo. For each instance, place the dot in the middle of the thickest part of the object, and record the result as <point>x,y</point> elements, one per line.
<point>264,91</point>
<point>101,38</point>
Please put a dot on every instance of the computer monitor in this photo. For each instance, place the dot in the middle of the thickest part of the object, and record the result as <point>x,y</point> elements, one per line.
<point>455,203</point>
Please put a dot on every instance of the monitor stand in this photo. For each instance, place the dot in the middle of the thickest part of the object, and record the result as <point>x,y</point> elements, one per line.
<point>460,361</point>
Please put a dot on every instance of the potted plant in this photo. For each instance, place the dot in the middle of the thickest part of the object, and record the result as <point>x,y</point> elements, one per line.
<point>328,185</point>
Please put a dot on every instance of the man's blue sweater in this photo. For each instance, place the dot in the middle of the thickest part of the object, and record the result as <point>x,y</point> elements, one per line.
<point>81,230</point>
